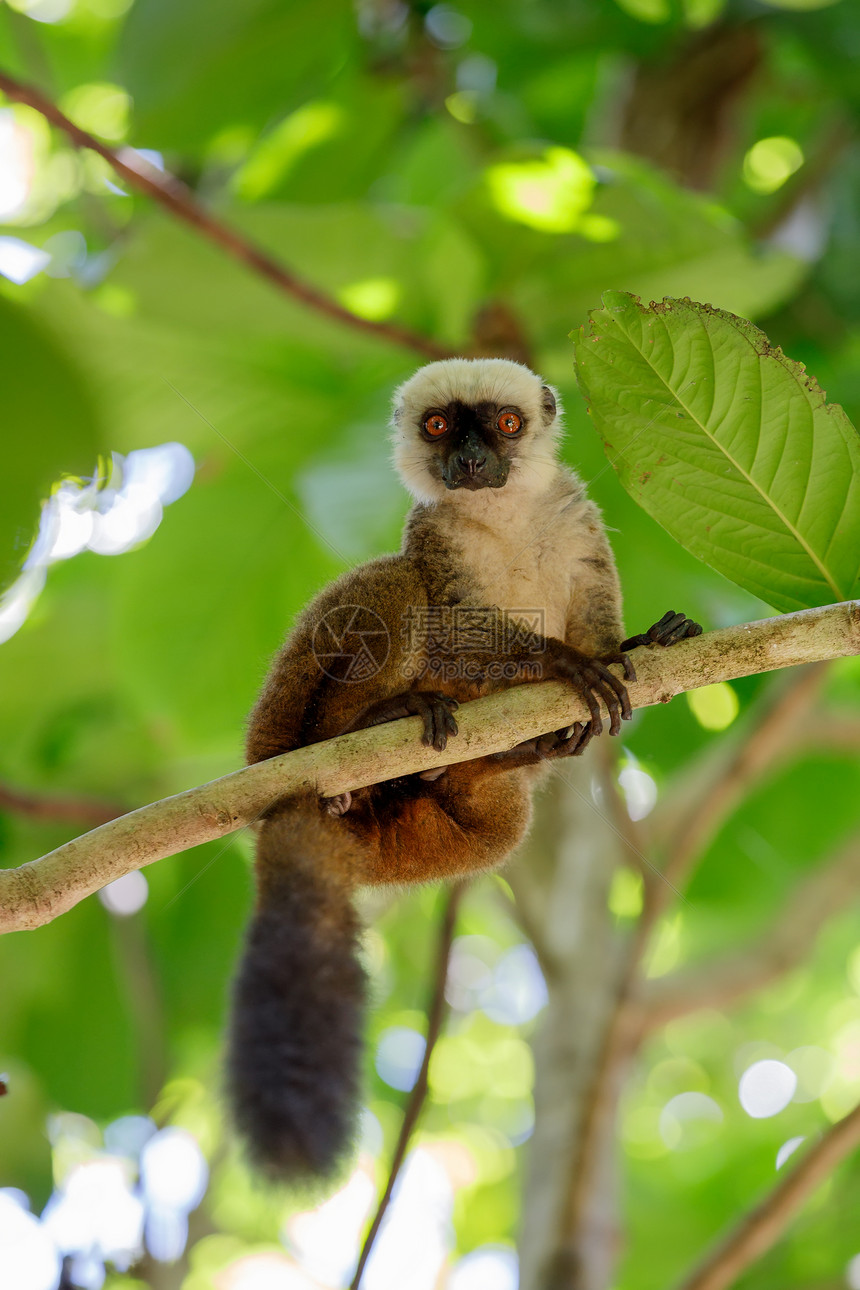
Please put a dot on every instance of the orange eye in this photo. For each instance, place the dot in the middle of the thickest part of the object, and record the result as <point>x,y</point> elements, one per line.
<point>436,424</point>
<point>509,422</point>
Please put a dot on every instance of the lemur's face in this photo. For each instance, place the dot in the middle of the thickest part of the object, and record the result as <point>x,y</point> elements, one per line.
<point>474,424</point>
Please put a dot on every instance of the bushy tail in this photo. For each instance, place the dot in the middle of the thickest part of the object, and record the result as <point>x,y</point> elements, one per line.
<point>295,1033</point>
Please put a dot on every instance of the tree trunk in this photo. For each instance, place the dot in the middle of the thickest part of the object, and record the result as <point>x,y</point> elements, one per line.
<point>562,886</point>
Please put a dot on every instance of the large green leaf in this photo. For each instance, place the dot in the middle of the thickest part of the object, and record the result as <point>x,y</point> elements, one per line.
<point>728,444</point>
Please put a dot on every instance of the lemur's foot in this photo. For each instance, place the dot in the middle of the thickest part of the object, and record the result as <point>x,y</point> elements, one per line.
<point>593,680</point>
<point>671,628</point>
<point>337,805</point>
<point>437,711</point>
<point>570,742</point>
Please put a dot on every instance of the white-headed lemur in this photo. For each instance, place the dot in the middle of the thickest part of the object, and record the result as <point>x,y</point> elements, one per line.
<point>505,575</point>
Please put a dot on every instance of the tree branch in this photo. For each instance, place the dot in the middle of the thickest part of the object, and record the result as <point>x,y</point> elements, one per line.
<point>42,889</point>
<point>77,810</point>
<point>758,1230</point>
<point>827,892</point>
<point>175,197</point>
<point>436,1009</point>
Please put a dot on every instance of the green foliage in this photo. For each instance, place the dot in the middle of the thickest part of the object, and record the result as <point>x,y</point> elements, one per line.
<point>728,444</point>
<point>363,154</point>
<point>49,416</point>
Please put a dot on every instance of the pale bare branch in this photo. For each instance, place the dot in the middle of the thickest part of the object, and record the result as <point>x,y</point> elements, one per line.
<point>758,1230</point>
<point>40,890</point>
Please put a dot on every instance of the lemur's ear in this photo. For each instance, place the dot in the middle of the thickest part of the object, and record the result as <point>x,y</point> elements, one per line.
<point>396,413</point>
<point>548,403</point>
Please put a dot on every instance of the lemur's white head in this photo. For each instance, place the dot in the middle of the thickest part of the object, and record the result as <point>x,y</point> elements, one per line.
<point>467,424</point>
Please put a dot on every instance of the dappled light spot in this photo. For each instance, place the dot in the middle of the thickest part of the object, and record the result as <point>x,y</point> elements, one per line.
<point>16,165</point>
<point>550,193</point>
<point>714,706</point>
<point>685,1112</point>
<point>470,971</point>
<point>95,1214</point>
<point>100,107</point>
<point>278,152</point>
<point>28,1257</point>
<point>373,298</point>
<point>126,895</point>
<point>326,1240</point>
<point>490,1267</point>
<point>766,1088</point>
<point>788,1149</point>
<point>399,1054</point>
<point>129,518</point>
<point>814,1069</point>
<point>447,27</point>
<point>265,1271</point>
<point>640,1131</point>
<point>478,1060</point>
<point>517,991</point>
<point>371,1137</point>
<point>626,893</point>
<point>68,252</point>
<point>640,791</point>
<point>19,261</point>
<point>477,73</point>
<point>16,603</point>
<point>128,1135</point>
<point>647,10</point>
<point>666,949</point>
<point>512,1116</point>
<point>463,106</point>
<point>48,11</point>
<point>173,1171</point>
<point>166,1233</point>
<point>770,162</point>
<point>414,1238</point>
<point>111,513</point>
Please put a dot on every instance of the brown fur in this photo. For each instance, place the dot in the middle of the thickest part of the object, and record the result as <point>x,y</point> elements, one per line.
<point>535,544</point>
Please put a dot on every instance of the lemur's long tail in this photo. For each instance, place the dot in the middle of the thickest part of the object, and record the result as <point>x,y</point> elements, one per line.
<point>295,1033</point>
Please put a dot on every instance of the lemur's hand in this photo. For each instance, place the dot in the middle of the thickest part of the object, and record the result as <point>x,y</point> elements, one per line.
<point>437,711</point>
<point>592,679</point>
<point>671,628</point>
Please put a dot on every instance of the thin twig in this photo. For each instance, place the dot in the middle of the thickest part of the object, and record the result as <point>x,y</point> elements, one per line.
<point>436,1009</point>
<point>831,889</point>
<point>758,1230</point>
<point>175,197</point>
<point>38,891</point>
<point>70,810</point>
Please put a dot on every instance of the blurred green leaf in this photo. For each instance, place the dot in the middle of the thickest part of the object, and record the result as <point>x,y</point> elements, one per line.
<point>50,427</point>
<point>195,68</point>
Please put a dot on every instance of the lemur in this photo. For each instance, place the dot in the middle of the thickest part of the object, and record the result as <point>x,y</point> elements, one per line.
<point>505,574</point>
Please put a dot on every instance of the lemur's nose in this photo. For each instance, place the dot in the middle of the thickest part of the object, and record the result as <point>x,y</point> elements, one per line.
<point>471,465</point>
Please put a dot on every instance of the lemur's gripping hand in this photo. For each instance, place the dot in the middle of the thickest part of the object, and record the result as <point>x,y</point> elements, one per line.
<point>437,711</point>
<point>592,679</point>
<point>671,628</point>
